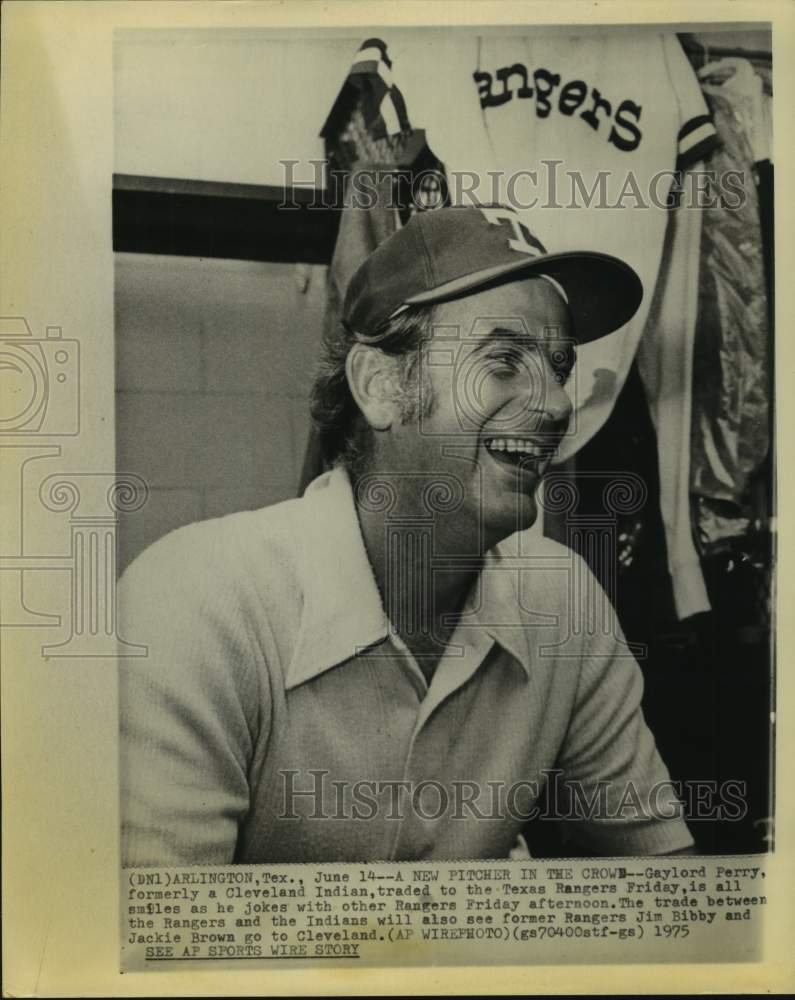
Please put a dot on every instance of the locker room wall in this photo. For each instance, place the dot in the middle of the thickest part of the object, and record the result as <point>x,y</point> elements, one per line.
<point>211,354</point>
<point>223,105</point>
<point>212,385</point>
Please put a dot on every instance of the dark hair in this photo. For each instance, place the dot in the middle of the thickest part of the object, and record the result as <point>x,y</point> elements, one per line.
<point>345,437</point>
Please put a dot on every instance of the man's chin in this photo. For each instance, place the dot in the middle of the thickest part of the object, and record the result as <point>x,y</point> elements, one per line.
<point>504,519</point>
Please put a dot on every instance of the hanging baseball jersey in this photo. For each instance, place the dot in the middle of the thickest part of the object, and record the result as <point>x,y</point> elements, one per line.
<point>370,85</point>
<point>369,96</point>
<point>732,359</point>
<point>580,132</point>
<point>665,363</point>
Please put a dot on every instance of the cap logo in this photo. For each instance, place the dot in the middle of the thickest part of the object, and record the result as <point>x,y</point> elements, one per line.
<point>521,238</point>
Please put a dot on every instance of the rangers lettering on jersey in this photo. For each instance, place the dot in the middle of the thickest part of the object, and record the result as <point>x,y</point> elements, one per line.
<point>624,133</point>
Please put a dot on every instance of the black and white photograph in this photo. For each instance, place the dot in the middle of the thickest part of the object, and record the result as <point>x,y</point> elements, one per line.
<point>457,433</point>
<point>394,539</point>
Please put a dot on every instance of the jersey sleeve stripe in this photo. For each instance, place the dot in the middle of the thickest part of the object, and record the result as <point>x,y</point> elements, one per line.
<point>375,49</point>
<point>383,104</point>
<point>692,126</point>
<point>373,66</point>
<point>389,114</point>
<point>697,144</point>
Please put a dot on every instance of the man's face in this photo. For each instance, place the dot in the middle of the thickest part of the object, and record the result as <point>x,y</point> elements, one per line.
<point>495,367</point>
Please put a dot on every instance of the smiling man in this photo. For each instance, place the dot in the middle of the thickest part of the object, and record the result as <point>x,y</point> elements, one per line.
<point>388,667</point>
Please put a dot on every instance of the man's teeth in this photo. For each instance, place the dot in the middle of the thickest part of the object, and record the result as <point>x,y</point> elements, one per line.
<point>521,445</point>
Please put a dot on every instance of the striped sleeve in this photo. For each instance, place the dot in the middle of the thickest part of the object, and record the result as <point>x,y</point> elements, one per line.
<point>371,72</point>
<point>695,140</point>
<point>696,137</point>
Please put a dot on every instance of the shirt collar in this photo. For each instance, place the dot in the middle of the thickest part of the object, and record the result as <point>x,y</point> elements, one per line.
<point>492,607</point>
<point>343,613</point>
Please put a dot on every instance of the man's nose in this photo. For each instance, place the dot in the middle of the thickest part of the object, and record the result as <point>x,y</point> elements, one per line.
<point>540,403</point>
<point>557,404</point>
<point>546,402</point>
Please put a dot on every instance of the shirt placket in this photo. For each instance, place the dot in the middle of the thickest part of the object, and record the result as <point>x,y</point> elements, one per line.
<point>416,834</point>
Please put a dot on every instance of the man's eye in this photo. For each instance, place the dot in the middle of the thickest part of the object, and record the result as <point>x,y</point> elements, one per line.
<point>507,361</point>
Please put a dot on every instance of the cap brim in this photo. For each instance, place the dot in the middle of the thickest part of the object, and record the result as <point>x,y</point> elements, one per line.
<point>603,292</point>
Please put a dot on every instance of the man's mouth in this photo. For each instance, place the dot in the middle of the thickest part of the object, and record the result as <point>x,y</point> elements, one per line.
<point>521,453</point>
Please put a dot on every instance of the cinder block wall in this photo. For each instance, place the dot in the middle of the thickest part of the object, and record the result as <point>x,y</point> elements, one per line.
<point>214,361</point>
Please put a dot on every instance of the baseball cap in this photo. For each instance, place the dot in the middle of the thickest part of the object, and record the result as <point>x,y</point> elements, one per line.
<point>446,253</point>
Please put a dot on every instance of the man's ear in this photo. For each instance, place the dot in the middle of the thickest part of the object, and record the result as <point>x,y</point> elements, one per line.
<point>373,380</point>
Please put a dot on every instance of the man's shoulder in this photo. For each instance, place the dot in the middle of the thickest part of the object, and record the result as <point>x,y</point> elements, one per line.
<point>543,571</point>
<point>530,550</point>
<point>232,547</point>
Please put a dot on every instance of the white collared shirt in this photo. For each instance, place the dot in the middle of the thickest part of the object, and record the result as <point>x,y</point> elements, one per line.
<point>278,717</point>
